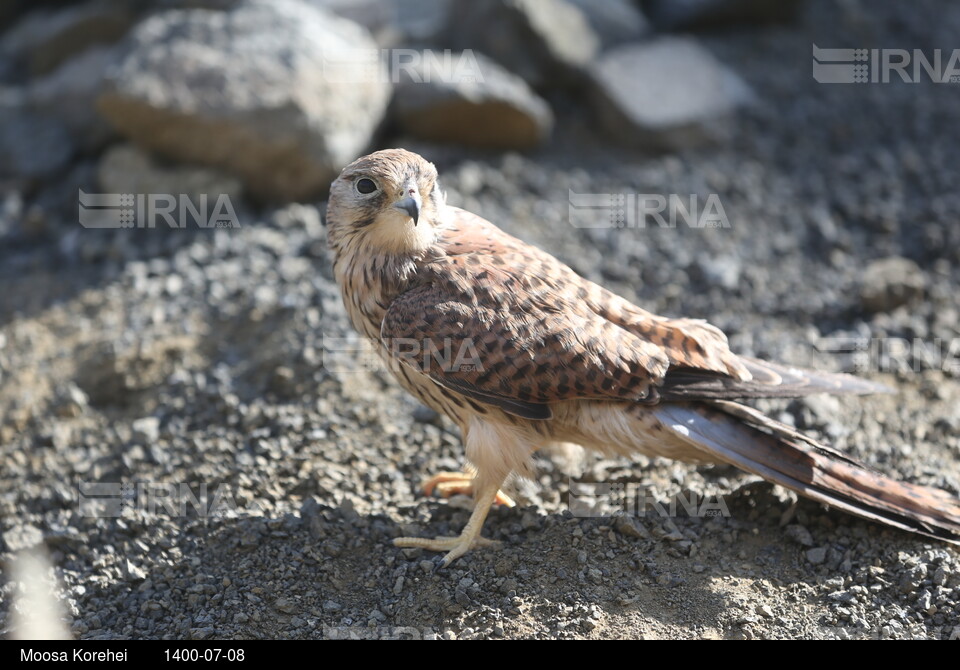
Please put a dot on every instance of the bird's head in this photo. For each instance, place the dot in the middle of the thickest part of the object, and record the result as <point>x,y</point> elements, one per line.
<point>389,202</point>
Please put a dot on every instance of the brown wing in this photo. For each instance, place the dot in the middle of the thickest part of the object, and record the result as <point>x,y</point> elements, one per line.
<point>495,328</point>
<point>688,343</point>
<point>506,323</point>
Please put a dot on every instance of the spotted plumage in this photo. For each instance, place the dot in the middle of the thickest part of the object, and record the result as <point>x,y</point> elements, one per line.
<point>521,352</point>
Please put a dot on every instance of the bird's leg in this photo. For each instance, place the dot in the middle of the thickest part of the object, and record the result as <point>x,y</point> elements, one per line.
<point>451,483</point>
<point>468,539</point>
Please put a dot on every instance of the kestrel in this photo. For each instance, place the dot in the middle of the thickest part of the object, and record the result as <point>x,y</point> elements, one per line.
<point>521,352</point>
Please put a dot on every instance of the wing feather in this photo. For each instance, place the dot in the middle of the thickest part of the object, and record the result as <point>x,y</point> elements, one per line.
<point>504,323</point>
<point>492,331</point>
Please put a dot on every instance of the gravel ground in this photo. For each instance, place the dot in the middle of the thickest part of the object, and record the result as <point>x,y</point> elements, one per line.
<point>196,357</point>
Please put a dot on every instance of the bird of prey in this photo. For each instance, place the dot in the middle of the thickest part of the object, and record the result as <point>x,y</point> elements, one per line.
<point>521,352</point>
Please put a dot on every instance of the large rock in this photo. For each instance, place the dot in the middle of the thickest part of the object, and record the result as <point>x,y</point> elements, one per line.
<point>668,93</point>
<point>468,99</point>
<point>44,39</point>
<point>891,282</point>
<point>547,42</point>
<point>279,93</point>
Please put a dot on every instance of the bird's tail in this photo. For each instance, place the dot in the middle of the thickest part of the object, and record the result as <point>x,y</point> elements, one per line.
<point>735,434</point>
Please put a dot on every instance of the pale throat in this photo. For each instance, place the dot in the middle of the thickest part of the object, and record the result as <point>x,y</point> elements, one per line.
<point>394,233</point>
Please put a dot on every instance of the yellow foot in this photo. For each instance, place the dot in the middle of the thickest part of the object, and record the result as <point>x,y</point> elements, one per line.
<point>469,538</point>
<point>452,483</point>
<point>454,546</point>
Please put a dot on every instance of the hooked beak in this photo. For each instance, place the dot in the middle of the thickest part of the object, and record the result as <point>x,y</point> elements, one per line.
<point>410,205</point>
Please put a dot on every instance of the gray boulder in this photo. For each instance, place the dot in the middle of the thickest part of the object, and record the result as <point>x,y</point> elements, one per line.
<point>666,94</point>
<point>468,99</point>
<point>547,42</point>
<point>278,93</point>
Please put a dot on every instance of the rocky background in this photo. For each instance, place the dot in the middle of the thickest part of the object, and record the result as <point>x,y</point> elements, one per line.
<point>194,356</point>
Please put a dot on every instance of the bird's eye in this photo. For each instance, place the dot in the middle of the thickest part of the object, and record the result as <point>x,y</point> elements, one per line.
<point>366,186</point>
